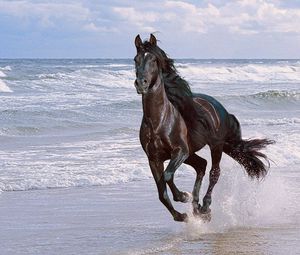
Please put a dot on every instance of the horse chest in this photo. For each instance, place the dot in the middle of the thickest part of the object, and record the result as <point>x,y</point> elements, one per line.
<point>153,144</point>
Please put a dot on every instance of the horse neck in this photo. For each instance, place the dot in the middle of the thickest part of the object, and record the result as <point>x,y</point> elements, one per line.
<point>156,103</point>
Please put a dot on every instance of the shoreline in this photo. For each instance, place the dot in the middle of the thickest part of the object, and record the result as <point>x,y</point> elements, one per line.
<point>124,219</point>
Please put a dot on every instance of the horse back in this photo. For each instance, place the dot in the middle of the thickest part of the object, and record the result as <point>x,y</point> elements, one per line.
<point>214,111</point>
<point>207,120</point>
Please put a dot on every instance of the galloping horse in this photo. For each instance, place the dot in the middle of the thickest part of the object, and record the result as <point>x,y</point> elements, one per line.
<point>177,123</point>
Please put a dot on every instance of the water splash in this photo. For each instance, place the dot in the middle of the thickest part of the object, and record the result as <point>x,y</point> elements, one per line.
<point>239,202</point>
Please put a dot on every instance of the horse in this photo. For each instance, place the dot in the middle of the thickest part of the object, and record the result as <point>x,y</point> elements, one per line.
<point>177,123</point>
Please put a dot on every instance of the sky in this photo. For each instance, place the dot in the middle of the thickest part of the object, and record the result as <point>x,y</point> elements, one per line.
<point>185,29</point>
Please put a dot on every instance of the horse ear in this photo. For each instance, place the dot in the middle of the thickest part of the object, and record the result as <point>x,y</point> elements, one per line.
<point>138,42</point>
<point>153,40</point>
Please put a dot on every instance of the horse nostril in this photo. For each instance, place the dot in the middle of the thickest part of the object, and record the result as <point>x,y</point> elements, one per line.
<point>145,81</point>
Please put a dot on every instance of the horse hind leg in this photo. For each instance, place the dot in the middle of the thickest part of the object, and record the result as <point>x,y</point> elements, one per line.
<point>199,164</point>
<point>216,154</point>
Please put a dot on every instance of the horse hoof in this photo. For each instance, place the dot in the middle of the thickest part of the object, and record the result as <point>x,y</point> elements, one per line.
<point>182,217</point>
<point>184,197</point>
<point>187,197</point>
<point>205,210</point>
<point>205,216</point>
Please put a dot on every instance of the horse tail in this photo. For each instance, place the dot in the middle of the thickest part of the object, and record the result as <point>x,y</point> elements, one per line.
<point>247,152</point>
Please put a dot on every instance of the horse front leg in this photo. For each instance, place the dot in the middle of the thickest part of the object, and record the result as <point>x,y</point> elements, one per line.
<point>178,196</point>
<point>178,157</point>
<point>157,169</point>
<point>216,154</point>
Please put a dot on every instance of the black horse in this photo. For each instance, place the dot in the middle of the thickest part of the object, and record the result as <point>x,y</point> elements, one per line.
<point>177,123</point>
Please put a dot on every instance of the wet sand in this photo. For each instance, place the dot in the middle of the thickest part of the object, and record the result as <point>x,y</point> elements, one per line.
<point>126,219</point>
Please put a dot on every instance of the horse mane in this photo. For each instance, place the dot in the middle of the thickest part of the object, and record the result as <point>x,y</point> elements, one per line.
<point>177,89</point>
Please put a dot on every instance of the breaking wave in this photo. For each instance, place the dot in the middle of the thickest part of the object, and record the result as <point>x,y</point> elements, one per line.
<point>76,124</point>
<point>4,87</point>
<point>259,73</point>
<point>276,94</point>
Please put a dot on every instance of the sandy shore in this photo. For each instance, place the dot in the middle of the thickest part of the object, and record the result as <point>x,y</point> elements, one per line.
<point>124,219</point>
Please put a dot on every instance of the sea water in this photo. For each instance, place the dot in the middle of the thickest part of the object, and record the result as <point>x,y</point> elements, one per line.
<point>75,123</point>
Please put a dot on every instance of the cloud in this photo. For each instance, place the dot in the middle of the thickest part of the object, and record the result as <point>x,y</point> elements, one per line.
<point>56,14</point>
<point>137,18</point>
<point>187,14</point>
<point>213,27</point>
<point>92,27</point>
<point>46,13</point>
<point>260,16</point>
<point>237,17</point>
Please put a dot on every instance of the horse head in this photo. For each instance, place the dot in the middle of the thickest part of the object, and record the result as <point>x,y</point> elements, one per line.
<point>146,65</point>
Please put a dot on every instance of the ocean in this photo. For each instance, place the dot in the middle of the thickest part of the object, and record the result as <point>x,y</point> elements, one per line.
<point>74,123</point>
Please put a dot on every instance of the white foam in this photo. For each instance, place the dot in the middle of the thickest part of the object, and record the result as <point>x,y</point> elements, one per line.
<point>105,78</point>
<point>86,163</point>
<point>241,73</point>
<point>286,152</point>
<point>271,122</point>
<point>116,160</point>
<point>240,202</point>
<point>6,68</point>
<point>4,87</point>
<point>109,78</point>
<point>118,65</point>
<point>2,74</point>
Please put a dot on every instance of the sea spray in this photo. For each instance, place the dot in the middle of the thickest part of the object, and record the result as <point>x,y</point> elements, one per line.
<point>240,202</point>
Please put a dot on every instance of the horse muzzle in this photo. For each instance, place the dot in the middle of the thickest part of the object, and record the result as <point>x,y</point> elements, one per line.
<point>141,87</point>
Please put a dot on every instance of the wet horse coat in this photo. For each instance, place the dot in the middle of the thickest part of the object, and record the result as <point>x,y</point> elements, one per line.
<point>211,111</point>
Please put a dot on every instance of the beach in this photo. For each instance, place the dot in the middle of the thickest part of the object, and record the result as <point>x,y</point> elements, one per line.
<point>129,219</point>
<point>75,180</point>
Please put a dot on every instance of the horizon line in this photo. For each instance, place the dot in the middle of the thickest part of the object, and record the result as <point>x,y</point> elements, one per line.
<point>105,58</point>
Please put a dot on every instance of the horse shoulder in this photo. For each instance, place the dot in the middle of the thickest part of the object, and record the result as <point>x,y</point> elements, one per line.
<point>177,136</point>
<point>145,135</point>
<point>153,142</point>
